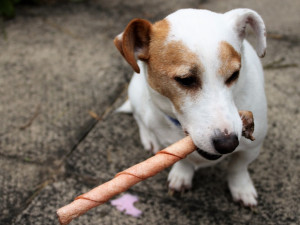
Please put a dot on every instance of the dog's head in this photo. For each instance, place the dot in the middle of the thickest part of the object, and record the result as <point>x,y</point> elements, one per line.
<point>193,59</point>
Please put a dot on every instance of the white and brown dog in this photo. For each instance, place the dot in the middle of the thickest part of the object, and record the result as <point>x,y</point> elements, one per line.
<point>194,71</point>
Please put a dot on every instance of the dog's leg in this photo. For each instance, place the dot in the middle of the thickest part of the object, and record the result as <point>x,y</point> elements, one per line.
<point>125,107</point>
<point>147,137</point>
<point>181,175</point>
<point>239,180</point>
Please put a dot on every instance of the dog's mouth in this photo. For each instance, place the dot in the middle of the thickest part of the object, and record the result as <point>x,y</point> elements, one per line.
<point>207,155</point>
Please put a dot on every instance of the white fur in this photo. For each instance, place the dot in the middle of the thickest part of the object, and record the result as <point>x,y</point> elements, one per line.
<point>124,108</point>
<point>216,106</point>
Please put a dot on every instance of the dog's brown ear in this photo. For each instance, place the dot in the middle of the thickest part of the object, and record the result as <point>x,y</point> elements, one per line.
<point>134,42</point>
<point>239,18</point>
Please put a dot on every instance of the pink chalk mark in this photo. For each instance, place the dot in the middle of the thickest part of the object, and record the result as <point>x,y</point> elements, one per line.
<point>125,203</point>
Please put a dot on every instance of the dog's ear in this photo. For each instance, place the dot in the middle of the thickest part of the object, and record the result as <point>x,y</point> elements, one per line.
<point>134,42</point>
<point>239,18</point>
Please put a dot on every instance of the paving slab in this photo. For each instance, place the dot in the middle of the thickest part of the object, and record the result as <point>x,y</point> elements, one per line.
<point>59,137</point>
<point>17,187</point>
<point>51,78</point>
<point>50,82</point>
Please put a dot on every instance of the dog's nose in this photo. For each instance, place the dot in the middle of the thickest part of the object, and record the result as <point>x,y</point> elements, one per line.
<point>225,143</point>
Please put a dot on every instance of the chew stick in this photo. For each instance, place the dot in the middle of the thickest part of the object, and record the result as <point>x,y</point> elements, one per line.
<point>129,177</point>
<point>248,124</point>
<point>125,179</point>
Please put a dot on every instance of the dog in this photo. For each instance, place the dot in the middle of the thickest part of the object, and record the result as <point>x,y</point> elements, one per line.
<point>193,72</point>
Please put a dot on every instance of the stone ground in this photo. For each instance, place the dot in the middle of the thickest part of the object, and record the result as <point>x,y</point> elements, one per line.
<point>60,80</point>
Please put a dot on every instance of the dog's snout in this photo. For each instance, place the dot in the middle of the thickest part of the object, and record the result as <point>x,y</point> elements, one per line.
<point>225,143</point>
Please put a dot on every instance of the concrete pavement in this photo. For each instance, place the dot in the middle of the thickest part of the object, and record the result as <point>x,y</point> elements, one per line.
<point>60,80</point>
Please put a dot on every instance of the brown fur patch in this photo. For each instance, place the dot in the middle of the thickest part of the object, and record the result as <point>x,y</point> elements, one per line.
<point>168,60</point>
<point>230,60</point>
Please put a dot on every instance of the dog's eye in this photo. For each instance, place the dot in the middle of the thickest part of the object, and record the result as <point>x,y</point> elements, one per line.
<point>232,78</point>
<point>190,81</point>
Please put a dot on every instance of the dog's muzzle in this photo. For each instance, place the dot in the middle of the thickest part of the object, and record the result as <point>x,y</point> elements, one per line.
<point>223,143</point>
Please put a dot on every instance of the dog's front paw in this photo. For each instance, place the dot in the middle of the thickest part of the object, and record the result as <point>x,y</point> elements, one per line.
<point>243,190</point>
<point>148,138</point>
<point>247,195</point>
<point>181,176</point>
<point>150,142</point>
